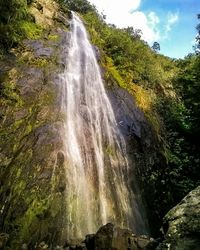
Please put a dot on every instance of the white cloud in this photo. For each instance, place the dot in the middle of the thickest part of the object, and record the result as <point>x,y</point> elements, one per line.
<point>147,23</point>
<point>153,19</point>
<point>123,13</point>
<point>172,18</point>
<point>123,5</point>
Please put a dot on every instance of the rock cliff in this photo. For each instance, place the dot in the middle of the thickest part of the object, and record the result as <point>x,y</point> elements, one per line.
<point>31,174</point>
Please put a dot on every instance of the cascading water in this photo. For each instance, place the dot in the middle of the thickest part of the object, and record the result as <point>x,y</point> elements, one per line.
<point>97,170</point>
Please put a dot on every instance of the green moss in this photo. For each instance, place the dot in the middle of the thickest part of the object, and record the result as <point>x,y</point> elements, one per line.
<point>19,171</point>
<point>56,205</point>
<point>43,205</point>
<point>9,91</point>
<point>146,100</point>
<point>54,37</point>
<point>10,95</point>
<point>29,59</point>
<point>25,58</point>
<point>40,62</point>
<point>19,186</point>
<point>36,211</point>
<point>31,30</point>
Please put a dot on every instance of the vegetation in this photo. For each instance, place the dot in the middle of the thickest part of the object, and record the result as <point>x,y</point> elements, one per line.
<point>16,23</point>
<point>81,6</point>
<point>198,36</point>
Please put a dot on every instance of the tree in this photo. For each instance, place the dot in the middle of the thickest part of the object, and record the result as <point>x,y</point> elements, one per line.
<point>197,48</point>
<point>82,6</point>
<point>136,33</point>
<point>12,10</point>
<point>12,15</point>
<point>156,46</point>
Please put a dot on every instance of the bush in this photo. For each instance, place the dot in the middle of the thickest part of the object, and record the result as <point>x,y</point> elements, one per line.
<point>12,13</point>
<point>82,6</point>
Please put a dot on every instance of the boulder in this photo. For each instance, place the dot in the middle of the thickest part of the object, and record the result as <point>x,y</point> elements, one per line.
<point>42,246</point>
<point>110,237</point>
<point>181,225</point>
<point>75,244</point>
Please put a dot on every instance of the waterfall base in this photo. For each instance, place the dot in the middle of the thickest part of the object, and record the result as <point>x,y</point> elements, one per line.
<point>108,237</point>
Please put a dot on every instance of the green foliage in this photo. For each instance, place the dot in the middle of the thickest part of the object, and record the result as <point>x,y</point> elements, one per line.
<point>9,35</point>
<point>156,46</point>
<point>9,93</point>
<point>82,6</point>
<point>133,58</point>
<point>30,30</point>
<point>12,10</point>
<point>188,86</point>
<point>182,122</point>
<point>54,38</point>
<point>14,22</point>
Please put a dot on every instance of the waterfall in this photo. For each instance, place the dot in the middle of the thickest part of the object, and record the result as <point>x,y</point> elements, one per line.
<point>97,170</point>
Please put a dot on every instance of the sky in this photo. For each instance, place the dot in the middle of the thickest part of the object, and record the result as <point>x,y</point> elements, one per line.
<point>170,22</point>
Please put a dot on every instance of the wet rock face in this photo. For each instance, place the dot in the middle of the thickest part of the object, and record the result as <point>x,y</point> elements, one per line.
<point>131,119</point>
<point>142,145</point>
<point>32,177</point>
<point>182,224</point>
<point>142,149</point>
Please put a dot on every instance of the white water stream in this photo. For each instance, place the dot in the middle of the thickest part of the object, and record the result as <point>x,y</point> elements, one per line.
<point>97,169</point>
